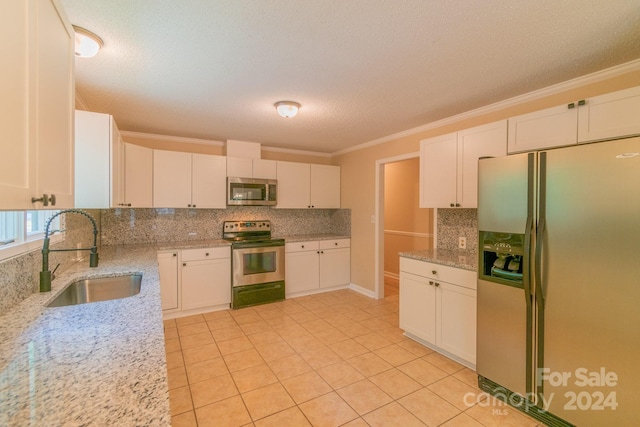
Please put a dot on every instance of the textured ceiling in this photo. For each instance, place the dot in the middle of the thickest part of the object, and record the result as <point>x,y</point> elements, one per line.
<point>362,69</point>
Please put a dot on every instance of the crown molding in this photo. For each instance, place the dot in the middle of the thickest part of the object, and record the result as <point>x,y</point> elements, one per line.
<point>156,137</point>
<point>292,151</point>
<point>596,77</point>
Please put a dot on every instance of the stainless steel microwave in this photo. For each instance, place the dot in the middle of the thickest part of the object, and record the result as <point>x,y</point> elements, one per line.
<point>251,192</point>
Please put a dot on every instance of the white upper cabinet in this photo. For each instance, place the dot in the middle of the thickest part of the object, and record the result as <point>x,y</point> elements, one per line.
<point>37,106</point>
<point>138,177</point>
<point>303,185</point>
<point>208,181</point>
<point>185,180</point>
<point>552,127</point>
<point>325,186</point>
<point>294,185</point>
<point>99,162</point>
<point>251,168</point>
<point>613,115</point>
<point>438,171</point>
<point>449,164</point>
<point>603,117</point>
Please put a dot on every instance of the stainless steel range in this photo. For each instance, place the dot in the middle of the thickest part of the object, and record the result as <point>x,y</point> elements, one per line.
<point>257,263</point>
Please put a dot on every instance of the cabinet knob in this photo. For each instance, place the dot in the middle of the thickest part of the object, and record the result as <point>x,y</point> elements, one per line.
<point>302,246</point>
<point>336,243</point>
<point>128,204</point>
<point>572,105</point>
<point>457,205</point>
<point>434,272</point>
<point>184,264</point>
<point>437,284</point>
<point>321,252</point>
<point>581,103</point>
<point>206,254</point>
<point>452,205</point>
<point>44,200</point>
<point>431,282</point>
<point>52,199</point>
<point>175,254</point>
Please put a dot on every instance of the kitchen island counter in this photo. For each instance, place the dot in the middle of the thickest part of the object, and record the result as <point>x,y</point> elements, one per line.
<point>465,259</point>
<point>100,363</point>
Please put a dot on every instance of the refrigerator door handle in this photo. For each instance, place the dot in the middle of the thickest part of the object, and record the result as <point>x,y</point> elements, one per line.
<point>542,219</point>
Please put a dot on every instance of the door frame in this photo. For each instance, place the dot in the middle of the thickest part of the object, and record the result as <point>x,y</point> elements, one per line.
<point>379,220</point>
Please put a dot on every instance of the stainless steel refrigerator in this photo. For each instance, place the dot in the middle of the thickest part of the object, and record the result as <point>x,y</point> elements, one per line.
<point>559,282</point>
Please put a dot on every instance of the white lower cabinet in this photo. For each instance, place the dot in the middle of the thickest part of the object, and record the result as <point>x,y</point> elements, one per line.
<point>315,265</point>
<point>194,280</point>
<point>168,271</point>
<point>438,308</point>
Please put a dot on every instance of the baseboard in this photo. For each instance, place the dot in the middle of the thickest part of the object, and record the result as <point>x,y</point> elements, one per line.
<point>392,279</point>
<point>359,289</point>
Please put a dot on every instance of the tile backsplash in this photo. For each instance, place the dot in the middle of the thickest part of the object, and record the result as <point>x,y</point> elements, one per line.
<point>454,223</point>
<point>129,226</point>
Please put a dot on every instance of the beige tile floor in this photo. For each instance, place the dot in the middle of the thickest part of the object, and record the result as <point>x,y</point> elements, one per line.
<point>330,359</point>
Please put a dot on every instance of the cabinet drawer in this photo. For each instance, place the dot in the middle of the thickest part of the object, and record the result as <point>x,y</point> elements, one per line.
<point>445,273</point>
<point>311,245</point>
<point>335,244</point>
<point>205,253</point>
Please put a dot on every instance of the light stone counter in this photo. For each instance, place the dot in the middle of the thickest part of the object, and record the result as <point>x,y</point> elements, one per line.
<point>307,237</point>
<point>95,364</point>
<point>467,260</point>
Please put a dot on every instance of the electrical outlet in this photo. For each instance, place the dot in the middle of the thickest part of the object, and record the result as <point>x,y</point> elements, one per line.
<point>462,242</point>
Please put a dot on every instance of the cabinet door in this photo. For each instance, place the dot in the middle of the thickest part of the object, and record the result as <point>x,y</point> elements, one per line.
<point>265,169</point>
<point>208,181</point>
<point>171,179</point>
<point>168,271</point>
<point>610,116</point>
<point>325,186</point>
<point>418,306</point>
<point>293,185</point>
<point>138,176</point>
<point>302,271</point>
<point>206,283</point>
<point>456,320</point>
<point>335,267</point>
<point>17,171</point>
<point>438,171</point>
<point>92,154</point>
<point>117,167</point>
<point>240,167</point>
<point>552,127</point>
<point>483,141</point>
<point>54,103</point>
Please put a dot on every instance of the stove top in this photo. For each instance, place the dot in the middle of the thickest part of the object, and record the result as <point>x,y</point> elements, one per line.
<point>247,230</point>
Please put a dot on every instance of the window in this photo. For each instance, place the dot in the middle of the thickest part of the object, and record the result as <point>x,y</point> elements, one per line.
<point>22,231</point>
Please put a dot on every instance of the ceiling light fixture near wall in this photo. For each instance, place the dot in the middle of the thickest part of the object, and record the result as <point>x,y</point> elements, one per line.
<point>287,108</point>
<point>87,43</point>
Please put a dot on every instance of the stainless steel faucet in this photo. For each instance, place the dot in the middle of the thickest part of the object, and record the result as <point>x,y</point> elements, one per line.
<point>45,275</point>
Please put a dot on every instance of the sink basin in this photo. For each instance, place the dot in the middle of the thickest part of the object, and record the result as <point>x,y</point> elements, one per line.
<point>99,289</point>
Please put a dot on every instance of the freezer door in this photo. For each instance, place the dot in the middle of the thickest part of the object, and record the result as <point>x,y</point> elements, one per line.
<point>502,333</point>
<point>591,284</point>
<point>503,192</point>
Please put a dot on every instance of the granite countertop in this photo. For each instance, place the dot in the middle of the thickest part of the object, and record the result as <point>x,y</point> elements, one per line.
<point>307,237</point>
<point>465,259</point>
<point>95,364</point>
<point>192,244</point>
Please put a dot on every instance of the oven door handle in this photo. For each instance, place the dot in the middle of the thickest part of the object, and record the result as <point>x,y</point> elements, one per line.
<point>248,245</point>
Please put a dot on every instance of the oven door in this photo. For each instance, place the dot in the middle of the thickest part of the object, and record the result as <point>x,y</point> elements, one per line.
<point>257,262</point>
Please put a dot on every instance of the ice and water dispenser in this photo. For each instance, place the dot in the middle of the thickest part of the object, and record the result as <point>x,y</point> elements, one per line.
<point>502,257</point>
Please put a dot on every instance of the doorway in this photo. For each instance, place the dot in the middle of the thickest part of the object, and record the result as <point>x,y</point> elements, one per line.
<point>401,225</point>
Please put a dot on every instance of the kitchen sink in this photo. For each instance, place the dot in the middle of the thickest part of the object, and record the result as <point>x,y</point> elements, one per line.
<point>98,289</point>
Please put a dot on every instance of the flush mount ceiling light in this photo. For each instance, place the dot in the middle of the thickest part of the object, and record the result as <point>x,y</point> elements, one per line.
<point>87,43</point>
<point>287,108</point>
